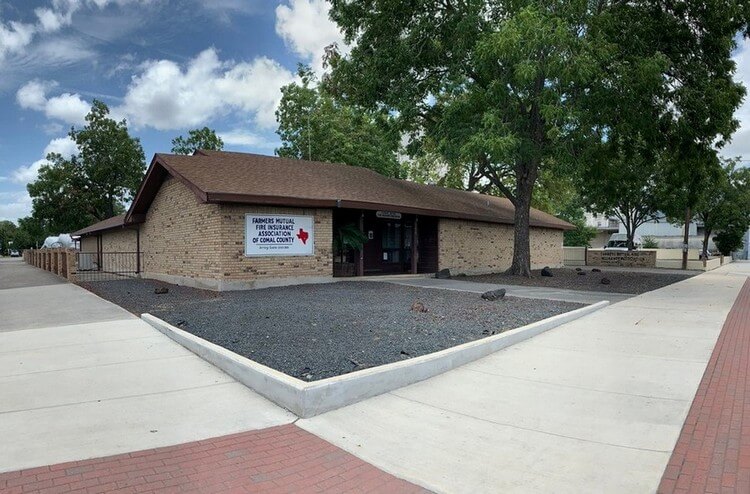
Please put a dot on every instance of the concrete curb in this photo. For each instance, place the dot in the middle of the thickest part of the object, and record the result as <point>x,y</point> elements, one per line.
<point>307,399</point>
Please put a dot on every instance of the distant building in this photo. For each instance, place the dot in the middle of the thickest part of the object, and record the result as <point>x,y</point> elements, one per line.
<point>605,225</point>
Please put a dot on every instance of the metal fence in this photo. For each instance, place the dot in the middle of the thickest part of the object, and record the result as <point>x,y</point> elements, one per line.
<point>103,266</point>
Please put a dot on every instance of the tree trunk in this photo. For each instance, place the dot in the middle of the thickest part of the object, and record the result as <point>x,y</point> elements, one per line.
<point>706,237</point>
<point>686,238</point>
<point>521,265</point>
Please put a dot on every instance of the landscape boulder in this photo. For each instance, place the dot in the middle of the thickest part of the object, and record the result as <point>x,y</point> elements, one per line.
<point>494,294</point>
<point>547,272</point>
<point>581,273</point>
<point>443,274</point>
<point>605,281</point>
<point>418,306</point>
<point>596,270</point>
<point>161,290</point>
<point>579,269</point>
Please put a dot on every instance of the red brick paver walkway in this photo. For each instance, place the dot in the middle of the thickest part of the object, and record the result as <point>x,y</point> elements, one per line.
<point>712,454</point>
<point>278,459</point>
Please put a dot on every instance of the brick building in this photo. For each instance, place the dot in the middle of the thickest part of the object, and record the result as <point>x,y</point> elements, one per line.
<point>223,221</point>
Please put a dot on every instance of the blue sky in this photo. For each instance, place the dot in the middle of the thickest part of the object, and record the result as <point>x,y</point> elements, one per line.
<point>167,66</point>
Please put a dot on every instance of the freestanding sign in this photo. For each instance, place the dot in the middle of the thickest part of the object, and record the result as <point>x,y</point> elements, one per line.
<point>279,235</point>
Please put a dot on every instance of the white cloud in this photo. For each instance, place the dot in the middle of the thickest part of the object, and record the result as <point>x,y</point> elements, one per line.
<point>33,94</point>
<point>14,205</point>
<point>243,138</point>
<point>52,20</point>
<point>70,108</point>
<point>14,37</point>
<point>67,107</point>
<point>305,27</point>
<point>61,145</point>
<point>26,174</point>
<point>166,96</point>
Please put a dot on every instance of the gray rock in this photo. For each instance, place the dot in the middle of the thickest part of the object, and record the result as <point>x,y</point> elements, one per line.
<point>579,269</point>
<point>494,294</point>
<point>596,270</point>
<point>605,281</point>
<point>418,306</point>
<point>443,274</point>
<point>581,273</point>
<point>160,290</point>
<point>546,272</point>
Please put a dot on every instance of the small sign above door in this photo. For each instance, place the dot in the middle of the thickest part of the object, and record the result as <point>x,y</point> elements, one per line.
<point>388,215</point>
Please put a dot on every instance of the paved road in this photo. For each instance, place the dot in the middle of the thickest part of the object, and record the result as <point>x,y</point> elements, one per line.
<point>561,294</point>
<point>595,405</point>
<point>81,378</point>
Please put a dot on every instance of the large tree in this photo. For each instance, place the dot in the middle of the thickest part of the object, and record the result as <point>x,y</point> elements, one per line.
<point>314,125</point>
<point>726,206</point>
<point>506,86</point>
<point>8,231</point>
<point>61,199</point>
<point>110,160</point>
<point>70,193</point>
<point>204,138</point>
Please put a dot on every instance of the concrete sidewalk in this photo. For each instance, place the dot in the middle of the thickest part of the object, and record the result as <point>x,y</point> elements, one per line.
<point>560,294</point>
<point>595,405</point>
<point>82,378</point>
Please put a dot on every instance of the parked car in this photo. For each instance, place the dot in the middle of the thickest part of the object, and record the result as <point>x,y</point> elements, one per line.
<point>15,253</point>
<point>619,241</point>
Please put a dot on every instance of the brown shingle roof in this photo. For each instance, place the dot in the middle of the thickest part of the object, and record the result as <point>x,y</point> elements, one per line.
<point>108,224</point>
<point>220,176</point>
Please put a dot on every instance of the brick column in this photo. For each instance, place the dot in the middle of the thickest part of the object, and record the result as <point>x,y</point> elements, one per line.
<point>71,265</point>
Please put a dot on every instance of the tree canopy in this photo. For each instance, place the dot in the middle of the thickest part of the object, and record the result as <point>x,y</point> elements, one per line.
<point>314,125</point>
<point>509,90</point>
<point>204,138</point>
<point>725,208</point>
<point>71,193</point>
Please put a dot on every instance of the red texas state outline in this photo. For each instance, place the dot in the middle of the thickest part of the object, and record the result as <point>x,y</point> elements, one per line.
<point>303,235</point>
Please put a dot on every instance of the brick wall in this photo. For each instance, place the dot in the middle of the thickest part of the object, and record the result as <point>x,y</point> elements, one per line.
<point>236,266</point>
<point>181,236</point>
<point>476,247</point>
<point>183,240</point>
<point>122,240</point>
<point>89,244</point>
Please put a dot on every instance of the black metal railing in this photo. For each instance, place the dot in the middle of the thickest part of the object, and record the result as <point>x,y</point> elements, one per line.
<point>102,266</point>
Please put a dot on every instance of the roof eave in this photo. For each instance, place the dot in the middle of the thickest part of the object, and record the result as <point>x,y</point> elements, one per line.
<point>221,197</point>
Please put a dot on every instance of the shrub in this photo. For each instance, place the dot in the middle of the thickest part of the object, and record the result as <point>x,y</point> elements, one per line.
<point>650,242</point>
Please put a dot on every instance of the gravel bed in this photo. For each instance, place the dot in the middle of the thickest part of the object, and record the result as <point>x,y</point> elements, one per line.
<point>620,281</point>
<point>317,331</point>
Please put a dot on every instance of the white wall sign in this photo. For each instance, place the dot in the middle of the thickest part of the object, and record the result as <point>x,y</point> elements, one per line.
<point>279,235</point>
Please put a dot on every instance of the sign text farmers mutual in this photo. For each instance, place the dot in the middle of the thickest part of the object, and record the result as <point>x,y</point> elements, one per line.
<point>279,235</point>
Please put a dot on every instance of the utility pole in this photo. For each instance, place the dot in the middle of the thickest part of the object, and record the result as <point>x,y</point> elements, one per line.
<point>686,238</point>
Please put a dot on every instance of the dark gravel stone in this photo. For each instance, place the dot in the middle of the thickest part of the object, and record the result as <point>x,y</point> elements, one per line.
<point>443,274</point>
<point>547,272</point>
<point>605,281</point>
<point>579,269</point>
<point>161,290</point>
<point>318,331</point>
<point>596,270</point>
<point>494,294</point>
<point>635,282</point>
<point>581,273</point>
